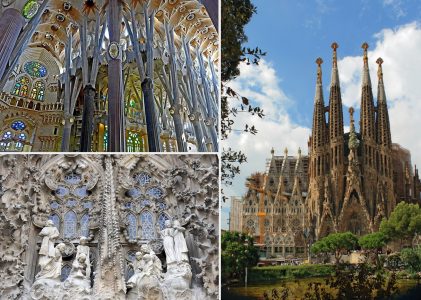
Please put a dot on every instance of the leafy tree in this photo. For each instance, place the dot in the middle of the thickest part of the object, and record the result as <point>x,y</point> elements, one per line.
<point>336,244</point>
<point>373,244</point>
<point>411,257</point>
<point>235,15</point>
<point>403,223</point>
<point>238,252</point>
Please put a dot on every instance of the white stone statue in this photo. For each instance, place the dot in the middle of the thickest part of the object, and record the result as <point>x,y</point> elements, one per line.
<point>51,265</point>
<point>180,245</point>
<point>146,282</point>
<point>167,235</point>
<point>83,248</point>
<point>49,233</point>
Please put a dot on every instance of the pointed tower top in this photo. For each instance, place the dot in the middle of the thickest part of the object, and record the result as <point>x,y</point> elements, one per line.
<point>334,80</point>
<point>319,62</point>
<point>334,46</point>
<point>286,151</point>
<point>379,61</point>
<point>299,151</point>
<point>353,139</point>
<point>365,47</point>
<point>366,74</point>
<point>272,151</point>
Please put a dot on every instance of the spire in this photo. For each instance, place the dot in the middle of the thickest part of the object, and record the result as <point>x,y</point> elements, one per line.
<point>318,98</point>
<point>367,104</point>
<point>336,126</point>
<point>335,73</point>
<point>382,121</point>
<point>353,139</point>
<point>366,73</point>
<point>319,120</point>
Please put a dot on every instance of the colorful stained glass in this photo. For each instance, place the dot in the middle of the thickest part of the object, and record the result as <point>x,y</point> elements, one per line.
<point>18,125</point>
<point>155,192</point>
<point>38,91</point>
<point>65,272</point>
<point>161,220</point>
<point>56,221</point>
<point>7,135</point>
<point>142,178</point>
<point>84,225</point>
<point>132,226</point>
<point>22,136</point>
<point>133,142</point>
<point>146,219</point>
<point>69,225</point>
<point>21,87</point>
<point>35,69</point>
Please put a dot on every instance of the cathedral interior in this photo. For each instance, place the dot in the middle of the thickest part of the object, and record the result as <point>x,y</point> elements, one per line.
<point>347,182</point>
<point>109,207</point>
<point>117,76</point>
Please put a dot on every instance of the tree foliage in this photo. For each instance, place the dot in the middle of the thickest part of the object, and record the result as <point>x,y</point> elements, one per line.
<point>238,252</point>
<point>403,223</point>
<point>373,244</point>
<point>411,257</point>
<point>235,15</point>
<point>336,243</point>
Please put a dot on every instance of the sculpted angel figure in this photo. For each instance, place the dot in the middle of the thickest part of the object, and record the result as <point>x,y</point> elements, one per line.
<point>51,265</point>
<point>180,245</point>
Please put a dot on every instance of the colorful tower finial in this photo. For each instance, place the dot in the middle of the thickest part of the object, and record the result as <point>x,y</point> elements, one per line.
<point>365,57</point>
<point>335,46</point>
<point>379,61</point>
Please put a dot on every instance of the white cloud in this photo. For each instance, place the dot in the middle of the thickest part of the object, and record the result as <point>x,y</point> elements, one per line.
<point>261,85</point>
<point>396,6</point>
<point>400,49</point>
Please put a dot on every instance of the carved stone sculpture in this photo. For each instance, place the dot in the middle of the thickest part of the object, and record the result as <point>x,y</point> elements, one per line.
<point>180,245</point>
<point>168,241</point>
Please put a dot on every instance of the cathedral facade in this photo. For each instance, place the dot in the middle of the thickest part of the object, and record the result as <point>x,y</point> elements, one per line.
<point>348,182</point>
<point>109,227</point>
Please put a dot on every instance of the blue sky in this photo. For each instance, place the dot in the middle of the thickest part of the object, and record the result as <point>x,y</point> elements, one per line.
<point>294,34</point>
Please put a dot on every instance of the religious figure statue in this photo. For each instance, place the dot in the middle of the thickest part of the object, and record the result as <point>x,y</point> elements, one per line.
<point>180,245</point>
<point>49,233</point>
<point>83,248</point>
<point>51,265</point>
<point>167,235</point>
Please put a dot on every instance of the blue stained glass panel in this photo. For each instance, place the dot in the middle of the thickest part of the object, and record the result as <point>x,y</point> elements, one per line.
<point>62,191</point>
<point>134,192</point>
<point>128,205</point>
<point>81,192</point>
<point>18,125</point>
<point>155,192</point>
<point>161,220</point>
<point>162,205</point>
<point>146,219</point>
<point>7,135</point>
<point>71,203</point>
<point>54,205</point>
<point>132,226</point>
<point>87,205</point>
<point>84,225</point>
<point>131,256</point>
<point>22,136</point>
<point>73,178</point>
<point>142,178</point>
<point>70,222</point>
<point>144,203</point>
<point>56,221</point>
<point>65,272</point>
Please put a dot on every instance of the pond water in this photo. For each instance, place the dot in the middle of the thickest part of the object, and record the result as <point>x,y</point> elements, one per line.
<point>297,288</point>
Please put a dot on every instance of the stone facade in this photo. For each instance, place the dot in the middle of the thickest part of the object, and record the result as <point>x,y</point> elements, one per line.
<point>76,227</point>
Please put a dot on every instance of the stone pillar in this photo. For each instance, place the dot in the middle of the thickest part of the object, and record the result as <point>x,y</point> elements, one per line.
<point>88,118</point>
<point>150,114</point>
<point>11,23</point>
<point>115,81</point>
<point>65,145</point>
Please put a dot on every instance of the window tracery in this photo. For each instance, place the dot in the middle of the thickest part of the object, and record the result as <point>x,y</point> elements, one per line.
<point>35,69</point>
<point>38,90</point>
<point>21,87</point>
<point>14,138</point>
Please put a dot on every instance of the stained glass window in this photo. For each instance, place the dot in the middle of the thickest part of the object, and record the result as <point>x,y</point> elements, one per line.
<point>21,87</point>
<point>84,225</point>
<point>22,136</point>
<point>87,205</point>
<point>65,272</point>
<point>62,191</point>
<point>155,192</point>
<point>146,220</point>
<point>73,178</point>
<point>7,135</point>
<point>162,205</point>
<point>132,226</point>
<point>144,203</point>
<point>35,69</point>
<point>71,203</point>
<point>133,142</point>
<point>161,220</point>
<point>134,192</point>
<point>54,205</point>
<point>70,222</point>
<point>130,272</point>
<point>81,192</point>
<point>142,178</point>
<point>56,221</point>
<point>38,90</point>
<point>18,125</point>
<point>128,205</point>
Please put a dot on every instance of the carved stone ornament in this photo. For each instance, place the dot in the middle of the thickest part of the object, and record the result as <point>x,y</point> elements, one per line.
<point>114,50</point>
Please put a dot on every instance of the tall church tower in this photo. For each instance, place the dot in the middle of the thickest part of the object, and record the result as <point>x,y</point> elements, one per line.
<point>351,176</point>
<point>336,135</point>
